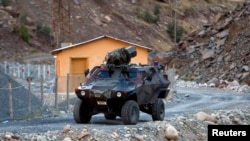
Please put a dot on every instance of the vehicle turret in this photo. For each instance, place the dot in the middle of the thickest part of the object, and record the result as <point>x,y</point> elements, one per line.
<point>121,56</point>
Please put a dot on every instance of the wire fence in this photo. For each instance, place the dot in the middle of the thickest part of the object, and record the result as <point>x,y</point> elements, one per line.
<point>22,71</point>
<point>29,96</point>
<point>24,89</point>
<point>22,99</point>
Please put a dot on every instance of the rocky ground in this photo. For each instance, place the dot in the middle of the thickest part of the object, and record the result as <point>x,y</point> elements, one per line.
<point>182,128</point>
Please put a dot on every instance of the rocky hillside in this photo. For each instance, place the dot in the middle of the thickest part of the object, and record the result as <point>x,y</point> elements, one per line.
<point>217,52</point>
<point>25,25</point>
<point>212,35</point>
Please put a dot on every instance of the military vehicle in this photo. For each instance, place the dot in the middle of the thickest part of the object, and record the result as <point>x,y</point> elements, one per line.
<point>120,89</point>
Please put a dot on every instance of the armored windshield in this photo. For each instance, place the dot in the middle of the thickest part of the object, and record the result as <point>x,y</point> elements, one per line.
<point>103,74</point>
<point>117,73</point>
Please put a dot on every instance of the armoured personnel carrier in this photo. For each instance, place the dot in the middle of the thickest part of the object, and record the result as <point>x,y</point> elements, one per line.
<point>121,89</point>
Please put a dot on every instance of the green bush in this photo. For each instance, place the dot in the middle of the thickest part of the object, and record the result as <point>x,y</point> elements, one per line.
<point>208,1</point>
<point>23,19</point>
<point>6,3</point>
<point>43,29</point>
<point>185,78</point>
<point>179,31</point>
<point>25,33</point>
<point>22,29</point>
<point>148,17</point>
<point>46,30</point>
<point>157,10</point>
<point>39,26</point>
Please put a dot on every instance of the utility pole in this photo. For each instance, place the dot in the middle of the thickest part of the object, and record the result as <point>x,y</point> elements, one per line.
<point>175,26</point>
<point>61,21</point>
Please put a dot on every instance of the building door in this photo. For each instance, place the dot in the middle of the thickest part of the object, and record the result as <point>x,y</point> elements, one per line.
<point>78,66</point>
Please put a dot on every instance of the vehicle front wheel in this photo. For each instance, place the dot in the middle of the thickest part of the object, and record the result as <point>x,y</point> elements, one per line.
<point>158,110</point>
<point>82,112</point>
<point>130,112</point>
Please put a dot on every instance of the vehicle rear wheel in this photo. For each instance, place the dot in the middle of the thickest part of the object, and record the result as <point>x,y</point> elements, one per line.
<point>130,112</point>
<point>82,112</point>
<point>158,110</point>
<point>110,116</point>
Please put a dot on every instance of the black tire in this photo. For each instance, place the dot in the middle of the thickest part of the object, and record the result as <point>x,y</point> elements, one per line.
<point>110,116</point>
<point>82,112</point>
<point>158,110</point>
<point>130,112</point>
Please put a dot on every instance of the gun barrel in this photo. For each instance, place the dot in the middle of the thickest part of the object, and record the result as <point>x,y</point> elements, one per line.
<point>131,51</point>
<point>121,56</point>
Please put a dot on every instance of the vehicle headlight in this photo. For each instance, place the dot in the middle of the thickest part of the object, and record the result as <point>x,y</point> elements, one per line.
<point>118,94</point>
<point>83,93</point>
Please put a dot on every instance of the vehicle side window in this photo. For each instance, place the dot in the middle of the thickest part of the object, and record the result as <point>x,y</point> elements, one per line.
<point>132,74</point>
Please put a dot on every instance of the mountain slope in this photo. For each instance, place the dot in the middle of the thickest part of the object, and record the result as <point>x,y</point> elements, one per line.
<point>142,22</point>
<point>217,52</point>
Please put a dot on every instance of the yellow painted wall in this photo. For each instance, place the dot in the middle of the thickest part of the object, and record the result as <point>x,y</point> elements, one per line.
<point>94,52</point>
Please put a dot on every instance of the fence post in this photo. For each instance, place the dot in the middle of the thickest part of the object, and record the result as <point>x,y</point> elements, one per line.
<point>29,93</point>
<point>23,72</point>
<point>44,71</point>
<point>42,90</point>
<point>67,91</point>
<point>10,101</point>
<point>38,71</point>
<point>79,79</point>
<point>56,93</point>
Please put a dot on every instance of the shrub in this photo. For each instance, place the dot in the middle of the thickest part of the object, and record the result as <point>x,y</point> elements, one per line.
<point>209,1</point>
<point>25,33</point>
<point>43,29</point>
<point>179,31</point>
<point>46,30</point>
<point>23,19</point>
<point>157,10</point>
<point>6,3</point>
<point>185,78</point>
<point>148,17</point>
<point>44,33</point>
<point>39,26</point>
<point>22,29</point>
